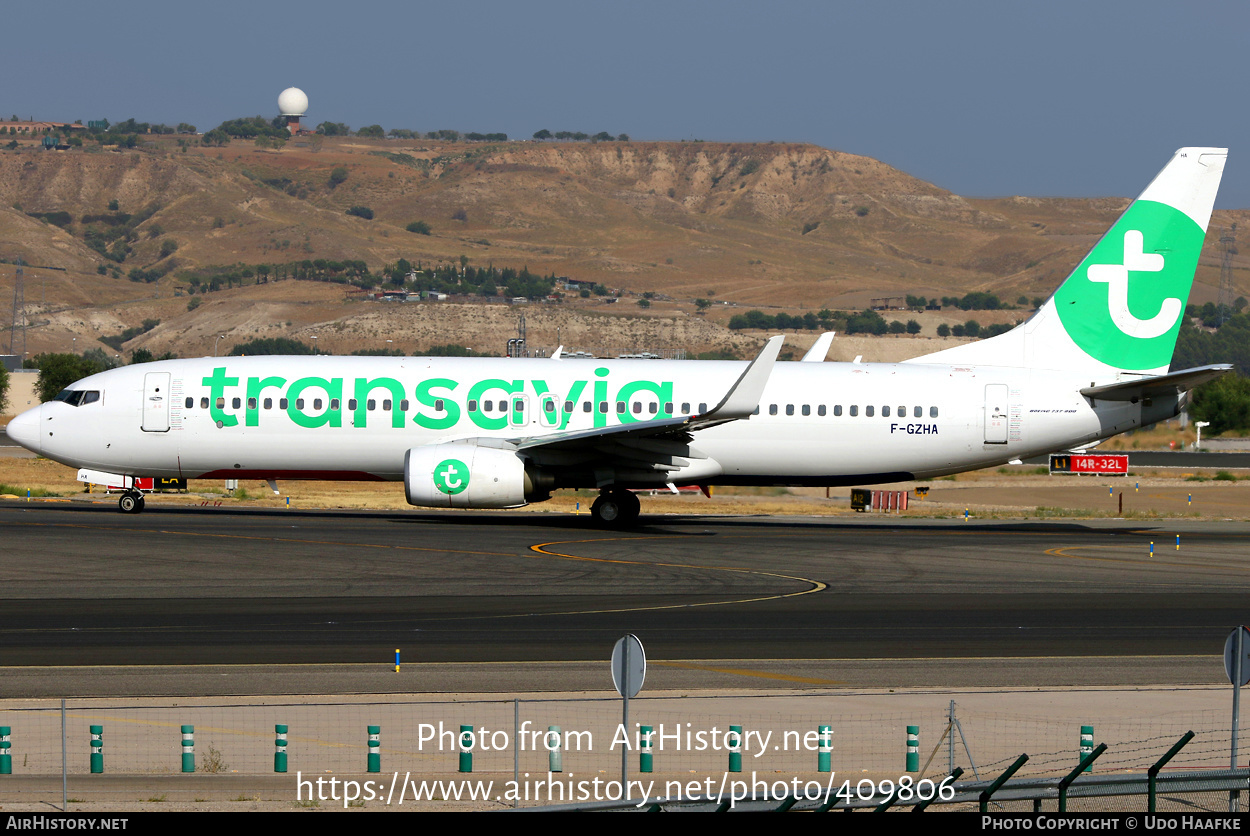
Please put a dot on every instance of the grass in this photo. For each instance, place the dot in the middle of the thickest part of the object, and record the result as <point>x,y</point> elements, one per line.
<point>212,762</point>
<point>10,489</point>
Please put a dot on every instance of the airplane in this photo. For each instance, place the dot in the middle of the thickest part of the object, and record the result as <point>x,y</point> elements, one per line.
<point>1092,362</point>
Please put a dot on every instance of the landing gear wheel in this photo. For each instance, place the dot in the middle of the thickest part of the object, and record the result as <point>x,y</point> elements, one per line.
<point>615,509</point>
<point>130,503</point>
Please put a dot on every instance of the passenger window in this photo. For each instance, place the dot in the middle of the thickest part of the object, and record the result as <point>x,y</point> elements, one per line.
<point>587,406</point>
<point>190,402</point>
<point>820,410</point>
<point>807,410</point>
<point>868,412</point>
<point>518,406</point>
<point>837,410</point>
<point>917,412</point>
<point>386,405</point>
<point>637,407</point>
<point>282,404</point>
<point>902,412</point>
<point>668,408</point>
<point>702,408</point>
<point>549,406</point>
<point>221,403</point>
<point>885,412</point>
<point>620,407</point>
<point>472,406</point>
<point>789,409</point>
<point>568,406</point>
<point>251,403</point>
<point>203,403</point>
<point>316,403</point>
<point>299,403</point>
<point>438,405</point>
<point>933,412</point>
<point>371,405</point>
<point>235,403</point>
<point>603,407</point>
<point>685,409</point>
<point>487,406</point>
<point>772,409</point>
<point>334,403</point>
<point>653,407</point>
<point>351,404</point>
<point>854,410</point>
<point>268,403</point>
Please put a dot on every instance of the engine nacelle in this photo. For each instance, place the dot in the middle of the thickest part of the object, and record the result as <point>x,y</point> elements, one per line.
<point>464,476</point>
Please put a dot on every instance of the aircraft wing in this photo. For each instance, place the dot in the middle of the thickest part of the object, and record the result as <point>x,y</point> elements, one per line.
<point>661,444</point>
<point>1149,387</point>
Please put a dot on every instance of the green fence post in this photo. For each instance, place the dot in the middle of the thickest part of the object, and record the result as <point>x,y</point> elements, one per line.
<point>555,759</point>
<point>6,756</point>
<point>466,748</point>
<point>913,749</point>
<point>97,749</point>
<point>1087,744</point>
<point>1153,772</point>
<point>1083,766</point>
<point>374,762</point>
<point>279,753</point>
<point>988,792</point>
<point>188,748</point>
<point>734,742</point>
<point>645,760</point>
<point>824,751</point>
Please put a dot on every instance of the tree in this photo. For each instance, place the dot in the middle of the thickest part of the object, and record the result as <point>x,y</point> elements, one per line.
<point>913,327</point>
<point>4,388</point>
<point>943,330</point>
<point>419,227</point>
<point>1225,402</point>
<point>373,131</point>
<point>361,212</point>
<point>543,134</point>
<point>337,176</point>
<point>56,371</point>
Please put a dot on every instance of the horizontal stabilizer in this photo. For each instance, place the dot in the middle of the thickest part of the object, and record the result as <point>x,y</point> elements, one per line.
<point>1151,387</point>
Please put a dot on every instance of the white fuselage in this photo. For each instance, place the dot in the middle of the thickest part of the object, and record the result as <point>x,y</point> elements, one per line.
<point>331,417</point>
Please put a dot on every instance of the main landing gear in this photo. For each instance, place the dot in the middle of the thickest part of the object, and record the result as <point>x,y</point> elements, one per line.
<point>615,508</point>
<point>131,502</point>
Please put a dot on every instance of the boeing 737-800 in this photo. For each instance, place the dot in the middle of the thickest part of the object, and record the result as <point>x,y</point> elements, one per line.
<point>500,433</point>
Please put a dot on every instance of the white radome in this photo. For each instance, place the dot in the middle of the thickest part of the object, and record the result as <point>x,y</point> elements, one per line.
<point>292,102</point>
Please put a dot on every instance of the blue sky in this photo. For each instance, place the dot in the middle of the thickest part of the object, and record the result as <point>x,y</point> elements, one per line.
<point>982,98</point>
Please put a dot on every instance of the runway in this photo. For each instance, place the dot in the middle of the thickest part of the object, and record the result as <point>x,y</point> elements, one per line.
<point>86,586</point>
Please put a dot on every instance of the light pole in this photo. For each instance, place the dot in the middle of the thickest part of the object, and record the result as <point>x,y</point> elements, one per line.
<point>314,343</point>
<point>1200,425</point>
<point>220,337</point>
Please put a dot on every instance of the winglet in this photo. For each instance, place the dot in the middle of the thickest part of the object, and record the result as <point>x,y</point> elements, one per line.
<point>555,355</point>
<point>819,349</point>
<point>744,396</point>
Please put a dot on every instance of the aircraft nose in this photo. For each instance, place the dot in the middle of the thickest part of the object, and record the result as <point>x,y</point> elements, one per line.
<point>24,429</point>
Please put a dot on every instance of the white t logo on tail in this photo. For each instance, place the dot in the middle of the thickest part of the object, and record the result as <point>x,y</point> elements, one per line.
<point>1116,277</point>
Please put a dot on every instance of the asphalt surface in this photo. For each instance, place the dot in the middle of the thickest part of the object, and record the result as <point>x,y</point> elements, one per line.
<point>792,599</point>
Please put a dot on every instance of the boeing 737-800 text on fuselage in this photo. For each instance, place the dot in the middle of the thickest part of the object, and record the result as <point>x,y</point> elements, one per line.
<point>500,433</point>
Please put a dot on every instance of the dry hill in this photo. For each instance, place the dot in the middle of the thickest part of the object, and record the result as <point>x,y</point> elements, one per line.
<point>794,227</point>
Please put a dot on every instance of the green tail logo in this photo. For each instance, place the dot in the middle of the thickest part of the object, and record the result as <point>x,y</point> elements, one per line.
<point>1123,305</point>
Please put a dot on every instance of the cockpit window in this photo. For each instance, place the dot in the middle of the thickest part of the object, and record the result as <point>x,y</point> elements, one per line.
<point>77,397</point>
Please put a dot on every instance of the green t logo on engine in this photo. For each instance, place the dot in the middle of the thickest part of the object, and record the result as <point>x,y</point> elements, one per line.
<point>451,476</point>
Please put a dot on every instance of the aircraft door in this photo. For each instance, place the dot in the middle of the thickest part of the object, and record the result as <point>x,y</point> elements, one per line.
<point>996,413</point>
<point>156,402</point>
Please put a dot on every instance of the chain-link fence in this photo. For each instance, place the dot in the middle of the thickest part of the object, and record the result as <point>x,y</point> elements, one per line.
<point>699,745</point>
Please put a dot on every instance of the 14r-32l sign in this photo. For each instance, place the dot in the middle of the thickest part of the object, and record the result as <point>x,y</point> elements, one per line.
<point>1071,463</point>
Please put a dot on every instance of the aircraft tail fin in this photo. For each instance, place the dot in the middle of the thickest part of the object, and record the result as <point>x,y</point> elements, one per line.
<point>1121,309</point>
